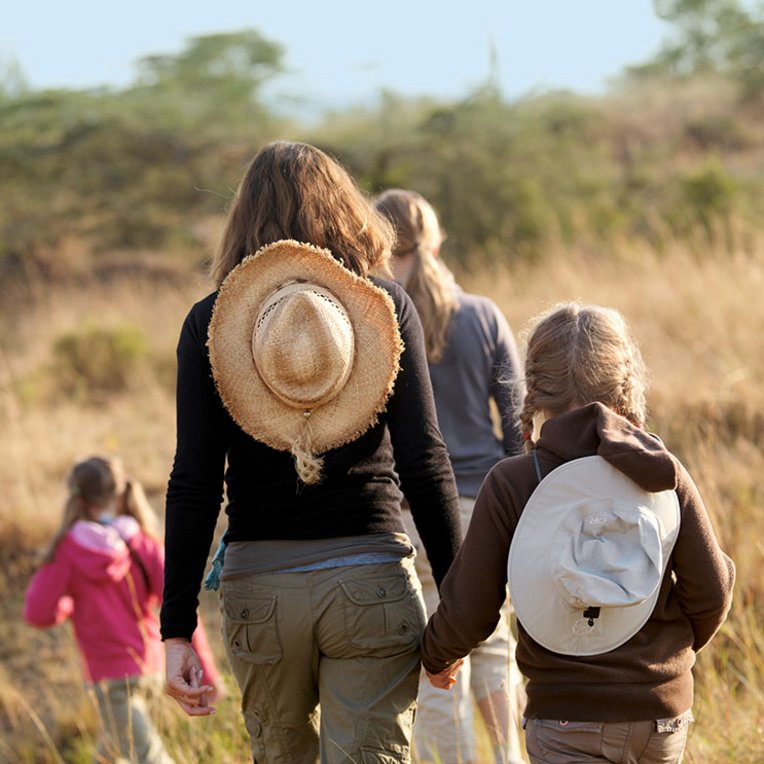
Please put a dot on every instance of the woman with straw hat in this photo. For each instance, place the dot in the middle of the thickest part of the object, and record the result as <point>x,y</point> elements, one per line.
<point>303,389</point>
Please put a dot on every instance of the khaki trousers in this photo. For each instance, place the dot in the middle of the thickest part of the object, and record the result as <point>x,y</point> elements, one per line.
<point>127,734</point>
<point>327,661</point>
<point>559,742</point>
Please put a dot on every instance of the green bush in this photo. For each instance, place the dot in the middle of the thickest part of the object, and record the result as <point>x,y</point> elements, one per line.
<point>96,359</point>
<point>706,198</point>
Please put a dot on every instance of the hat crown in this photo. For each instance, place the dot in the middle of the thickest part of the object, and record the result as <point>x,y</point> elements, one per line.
<point>303,345</point>
<point>610,554</point>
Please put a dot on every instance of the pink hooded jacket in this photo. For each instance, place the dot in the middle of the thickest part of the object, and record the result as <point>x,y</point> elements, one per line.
<point>108,579</point>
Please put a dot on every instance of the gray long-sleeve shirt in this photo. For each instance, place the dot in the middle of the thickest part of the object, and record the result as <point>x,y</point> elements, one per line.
<point>480,363</point>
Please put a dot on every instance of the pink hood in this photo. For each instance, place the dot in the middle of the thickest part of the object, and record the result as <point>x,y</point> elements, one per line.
<point>105,554</point>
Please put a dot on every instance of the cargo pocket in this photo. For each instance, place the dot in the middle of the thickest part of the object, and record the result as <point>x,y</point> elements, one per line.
<point>251,628</point>
<point>560,742</point>
<point>383,616</point>
<point>375,756</point>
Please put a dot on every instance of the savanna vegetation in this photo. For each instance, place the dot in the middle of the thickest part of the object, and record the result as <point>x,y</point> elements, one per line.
<point>648,198</point>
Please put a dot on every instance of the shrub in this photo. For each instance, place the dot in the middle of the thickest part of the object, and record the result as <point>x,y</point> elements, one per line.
<point>96,359</point>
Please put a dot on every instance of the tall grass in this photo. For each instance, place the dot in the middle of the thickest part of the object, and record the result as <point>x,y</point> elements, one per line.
<point>698,317</point>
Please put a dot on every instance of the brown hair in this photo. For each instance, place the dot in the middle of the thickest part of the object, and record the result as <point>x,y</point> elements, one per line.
<point>578,354</point>
<point>429,283</point>
<point>93,484</point>
<point>296,191</point>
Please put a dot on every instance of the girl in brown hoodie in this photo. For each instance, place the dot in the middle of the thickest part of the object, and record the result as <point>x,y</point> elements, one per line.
<point>585,392</point>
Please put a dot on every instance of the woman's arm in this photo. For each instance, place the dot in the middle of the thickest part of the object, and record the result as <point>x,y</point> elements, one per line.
<point>152,559</point>
<point>421,459</point>
<point>195,489</point>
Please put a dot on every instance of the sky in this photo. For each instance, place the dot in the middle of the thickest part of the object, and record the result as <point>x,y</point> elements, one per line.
<point>340,52</point>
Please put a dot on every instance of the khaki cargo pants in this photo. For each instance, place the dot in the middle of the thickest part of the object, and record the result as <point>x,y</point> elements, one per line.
<point>327,661</point>
<point>550,741</point>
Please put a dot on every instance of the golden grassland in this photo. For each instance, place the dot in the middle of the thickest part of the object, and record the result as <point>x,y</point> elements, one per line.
<point>698,316</point>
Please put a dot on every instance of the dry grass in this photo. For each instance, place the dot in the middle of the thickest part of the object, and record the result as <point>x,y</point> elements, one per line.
<point>698,318</point>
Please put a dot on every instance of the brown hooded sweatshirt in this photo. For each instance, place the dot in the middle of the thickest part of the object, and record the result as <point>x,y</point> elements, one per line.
<point>649,676</point>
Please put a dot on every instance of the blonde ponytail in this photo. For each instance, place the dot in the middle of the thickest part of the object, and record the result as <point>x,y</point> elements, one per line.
<point>429,283</point>
<point>133,502</point>
<point>74,509</point>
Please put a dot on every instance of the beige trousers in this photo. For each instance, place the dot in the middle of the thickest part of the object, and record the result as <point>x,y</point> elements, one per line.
<point>327,661</point>
<point>127,734</point>
<point>560,742</point>
<point>444,728</point>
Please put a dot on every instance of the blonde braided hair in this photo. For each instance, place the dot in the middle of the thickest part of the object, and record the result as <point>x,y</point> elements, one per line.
<point>578,354</point>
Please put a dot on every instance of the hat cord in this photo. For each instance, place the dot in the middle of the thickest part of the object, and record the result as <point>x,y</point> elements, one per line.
<point>591,613</point>
<point>308,465</point>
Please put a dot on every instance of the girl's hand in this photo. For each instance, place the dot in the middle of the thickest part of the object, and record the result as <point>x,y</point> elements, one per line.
<point>219,691</point>
<point>446,679</point>
<point>184,678</point>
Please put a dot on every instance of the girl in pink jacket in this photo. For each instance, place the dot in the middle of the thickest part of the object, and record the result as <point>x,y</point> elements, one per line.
<point>104,569</point>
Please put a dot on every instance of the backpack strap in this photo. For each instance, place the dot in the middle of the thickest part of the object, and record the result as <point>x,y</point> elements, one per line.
<point>139,563</point>
<point>537,465</point>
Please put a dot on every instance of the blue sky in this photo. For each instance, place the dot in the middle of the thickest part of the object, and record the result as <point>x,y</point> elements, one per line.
<point>342,52</point>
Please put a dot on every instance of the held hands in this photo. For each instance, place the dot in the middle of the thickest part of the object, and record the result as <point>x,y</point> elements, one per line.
<point>184,679</point>
<point>446,679</point>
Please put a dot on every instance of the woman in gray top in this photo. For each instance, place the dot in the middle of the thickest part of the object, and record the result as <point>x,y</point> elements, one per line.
<point>473,360</point>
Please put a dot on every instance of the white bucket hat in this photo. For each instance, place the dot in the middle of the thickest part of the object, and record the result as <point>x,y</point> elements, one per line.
<point>588,556</point>
<point>304,352</point>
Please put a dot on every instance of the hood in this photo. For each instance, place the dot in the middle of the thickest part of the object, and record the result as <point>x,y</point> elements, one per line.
<point>99,550</point>
<point>596,429</point>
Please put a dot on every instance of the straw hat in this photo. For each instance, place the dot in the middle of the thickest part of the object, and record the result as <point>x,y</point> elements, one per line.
<point>304,352</point>
<point>588,556</point>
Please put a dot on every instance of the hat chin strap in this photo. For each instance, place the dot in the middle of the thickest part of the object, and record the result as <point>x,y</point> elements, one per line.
<point>308,465</point>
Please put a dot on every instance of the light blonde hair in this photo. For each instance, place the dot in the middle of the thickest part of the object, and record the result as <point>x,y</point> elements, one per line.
<point>429,283</point>
<point>578,354</point>
<point>296,191</point>
<point>95,483</point>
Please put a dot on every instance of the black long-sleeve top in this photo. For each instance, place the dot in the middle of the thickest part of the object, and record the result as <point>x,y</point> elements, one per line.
<point>362,487</point>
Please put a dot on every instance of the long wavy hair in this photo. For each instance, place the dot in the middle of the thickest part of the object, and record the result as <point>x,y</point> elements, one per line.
<point>296,191</point>
<point>579,354</point>
<point>429,283</point>
<point>95,484</point>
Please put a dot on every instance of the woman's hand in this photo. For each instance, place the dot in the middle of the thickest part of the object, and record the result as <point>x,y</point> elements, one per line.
<point>446,679</point>
<point>184,678</point>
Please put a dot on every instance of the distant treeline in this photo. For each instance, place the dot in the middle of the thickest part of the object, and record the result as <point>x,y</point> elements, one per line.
<point>674,151</point>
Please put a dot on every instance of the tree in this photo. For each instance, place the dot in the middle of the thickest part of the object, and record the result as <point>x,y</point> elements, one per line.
<point>710,36</point>
<point>217,77</point>
<point>12,80</point>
